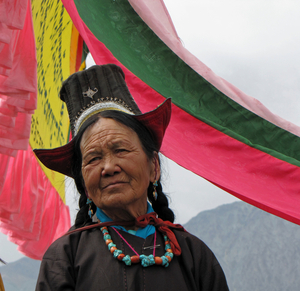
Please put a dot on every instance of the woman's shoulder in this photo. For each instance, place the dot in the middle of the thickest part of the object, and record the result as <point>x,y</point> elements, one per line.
<point>188,237</point>
<point>66,245</point>
<point>189,243</point>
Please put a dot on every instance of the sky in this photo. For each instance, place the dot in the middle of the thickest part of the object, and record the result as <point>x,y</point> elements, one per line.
<point>252,44</point>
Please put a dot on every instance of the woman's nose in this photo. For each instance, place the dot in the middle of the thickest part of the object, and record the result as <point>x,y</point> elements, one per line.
<point>110,168</point>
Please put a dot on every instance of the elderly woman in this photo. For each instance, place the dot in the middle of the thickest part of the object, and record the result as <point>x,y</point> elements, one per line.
<point>124,237</point>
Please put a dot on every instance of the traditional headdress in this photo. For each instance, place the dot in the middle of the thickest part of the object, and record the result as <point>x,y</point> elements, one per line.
<point>91,91</point>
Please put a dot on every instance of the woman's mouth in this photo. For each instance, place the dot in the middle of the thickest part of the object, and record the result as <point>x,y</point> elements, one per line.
<point>114,184</point>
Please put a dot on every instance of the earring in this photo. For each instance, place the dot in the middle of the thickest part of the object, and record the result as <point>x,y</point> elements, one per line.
<point>154,190</point>
<point>90,212</point>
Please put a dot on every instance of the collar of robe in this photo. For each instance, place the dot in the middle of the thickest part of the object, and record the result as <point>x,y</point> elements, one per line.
<point>142,221</point>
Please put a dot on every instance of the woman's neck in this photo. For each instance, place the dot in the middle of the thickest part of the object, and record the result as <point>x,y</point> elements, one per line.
<point>126,214</point>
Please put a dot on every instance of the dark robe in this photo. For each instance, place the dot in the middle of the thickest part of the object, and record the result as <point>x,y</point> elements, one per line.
<point>82,261</point>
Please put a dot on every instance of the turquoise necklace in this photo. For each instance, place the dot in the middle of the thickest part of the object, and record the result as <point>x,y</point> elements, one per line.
<point>145,261</point>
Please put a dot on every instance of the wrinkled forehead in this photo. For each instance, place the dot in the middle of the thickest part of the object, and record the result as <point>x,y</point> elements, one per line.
<point>107,131</point>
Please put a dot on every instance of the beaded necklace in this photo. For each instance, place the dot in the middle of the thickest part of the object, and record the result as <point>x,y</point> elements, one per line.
<point>143,259</point>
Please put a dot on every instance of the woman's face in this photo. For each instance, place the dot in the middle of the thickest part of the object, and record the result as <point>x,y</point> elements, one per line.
<point>115,168</point>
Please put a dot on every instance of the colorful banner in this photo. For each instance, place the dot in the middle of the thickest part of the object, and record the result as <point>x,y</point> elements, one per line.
<point>35,213</point>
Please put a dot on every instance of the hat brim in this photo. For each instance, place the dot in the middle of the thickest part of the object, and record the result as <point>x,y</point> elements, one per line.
<point>60,159</point>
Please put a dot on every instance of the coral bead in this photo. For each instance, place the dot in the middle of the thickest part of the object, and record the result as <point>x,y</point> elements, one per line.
<point>169,250</point>
<point>120,257</point>
<point>167,242</point>
<point>108,241</point>
<point>158,260</point>
<point>135,259</point>
<point>112,249</point>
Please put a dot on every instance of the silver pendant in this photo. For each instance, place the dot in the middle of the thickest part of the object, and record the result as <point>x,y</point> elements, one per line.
<point>151,247</point>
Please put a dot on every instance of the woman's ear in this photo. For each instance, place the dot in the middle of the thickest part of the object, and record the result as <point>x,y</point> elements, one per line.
<point>155,168</point>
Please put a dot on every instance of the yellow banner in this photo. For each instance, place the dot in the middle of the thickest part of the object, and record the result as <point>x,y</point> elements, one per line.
<point>50,123</point>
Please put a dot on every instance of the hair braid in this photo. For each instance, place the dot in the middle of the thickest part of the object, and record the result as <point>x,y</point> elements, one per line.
<point>161,204</point>
<point>82,216</point>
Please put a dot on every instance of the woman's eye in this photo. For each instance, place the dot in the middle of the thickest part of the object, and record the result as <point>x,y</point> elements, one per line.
<point>93,160</point>
<point>120,150</point>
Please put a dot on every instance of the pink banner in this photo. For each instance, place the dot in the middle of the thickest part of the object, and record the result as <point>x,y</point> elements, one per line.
<point>32,214</point>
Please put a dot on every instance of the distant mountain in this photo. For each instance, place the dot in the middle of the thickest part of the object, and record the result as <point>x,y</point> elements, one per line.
<point>20,275</point>
<point>257,251</point>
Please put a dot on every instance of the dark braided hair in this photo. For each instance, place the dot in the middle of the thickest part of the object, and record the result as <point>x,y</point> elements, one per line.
<point>160,206</point>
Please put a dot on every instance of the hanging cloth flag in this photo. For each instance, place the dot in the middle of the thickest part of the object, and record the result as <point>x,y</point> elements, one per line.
<point>216,131</point>
<point>33,212</point>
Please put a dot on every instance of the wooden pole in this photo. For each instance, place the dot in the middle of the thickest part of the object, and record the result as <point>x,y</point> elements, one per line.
<point>1,284</point>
